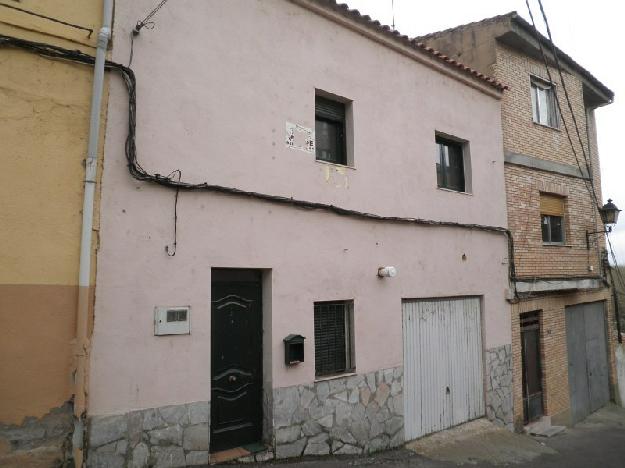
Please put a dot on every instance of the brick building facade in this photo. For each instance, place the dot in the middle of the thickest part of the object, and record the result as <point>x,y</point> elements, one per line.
<point>550,211</point>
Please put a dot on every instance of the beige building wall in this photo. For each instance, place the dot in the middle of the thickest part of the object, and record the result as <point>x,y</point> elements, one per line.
<point>44,123</point>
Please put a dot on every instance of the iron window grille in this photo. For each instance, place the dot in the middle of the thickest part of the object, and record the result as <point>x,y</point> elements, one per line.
<point>450,165</point>
<point>330,142</point>
<point>333,338</point>
<point>544,106</point>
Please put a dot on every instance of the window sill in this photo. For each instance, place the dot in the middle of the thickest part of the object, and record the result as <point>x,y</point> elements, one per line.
<point>444,189</point>
<point>557,129</point>
<point>335,376</point>
<point>557,244</point>
<point>328,163</point>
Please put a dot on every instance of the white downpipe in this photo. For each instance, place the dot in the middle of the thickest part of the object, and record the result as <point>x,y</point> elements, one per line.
<point>92,152</point>
<point>84,274</point>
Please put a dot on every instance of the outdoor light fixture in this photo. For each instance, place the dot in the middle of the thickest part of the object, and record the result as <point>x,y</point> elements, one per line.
<point>609,217</point>
<point>387,272</point>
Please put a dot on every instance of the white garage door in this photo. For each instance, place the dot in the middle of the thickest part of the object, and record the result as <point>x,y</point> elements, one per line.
<point>443,384</point>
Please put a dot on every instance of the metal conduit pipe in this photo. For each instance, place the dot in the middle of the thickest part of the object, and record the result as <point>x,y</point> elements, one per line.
<point>84,275</point>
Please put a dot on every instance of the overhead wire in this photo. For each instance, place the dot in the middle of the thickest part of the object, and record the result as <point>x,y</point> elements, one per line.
<point>590,181</point>
<point>587,180</point>
<point>144,23</point>
<point>139,173</point>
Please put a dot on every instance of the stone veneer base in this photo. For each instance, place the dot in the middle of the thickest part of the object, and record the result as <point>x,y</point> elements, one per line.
<point>170,436</point>
<point>346,415</point>
<point>499,386</point>
<point>353,414</point>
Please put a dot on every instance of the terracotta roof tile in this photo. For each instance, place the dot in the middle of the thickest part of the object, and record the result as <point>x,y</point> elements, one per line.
<point>407,41</point>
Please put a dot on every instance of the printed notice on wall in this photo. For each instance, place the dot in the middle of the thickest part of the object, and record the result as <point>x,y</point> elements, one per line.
<point>300,138</point>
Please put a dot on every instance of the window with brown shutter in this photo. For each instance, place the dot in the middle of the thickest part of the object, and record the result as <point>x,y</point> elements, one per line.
<point>552,218</point>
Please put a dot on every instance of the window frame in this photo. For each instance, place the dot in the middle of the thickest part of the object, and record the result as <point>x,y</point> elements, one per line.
<point>340,123</point>
<point>349,366</point>
<point>441,141</point>
<point>550,228</point>
<point>550,89</point>
<point>547,211</point>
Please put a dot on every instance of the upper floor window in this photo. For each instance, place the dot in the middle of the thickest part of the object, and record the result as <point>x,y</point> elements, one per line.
<point>544,106</point>
<point>450,167</point>
<point>330,142</point>
<point>552,218</point>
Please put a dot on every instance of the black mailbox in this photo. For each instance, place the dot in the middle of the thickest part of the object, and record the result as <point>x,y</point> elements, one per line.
<point>293,349</point>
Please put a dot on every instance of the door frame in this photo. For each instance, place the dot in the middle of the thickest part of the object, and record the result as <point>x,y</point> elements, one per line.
<point>538,318</point>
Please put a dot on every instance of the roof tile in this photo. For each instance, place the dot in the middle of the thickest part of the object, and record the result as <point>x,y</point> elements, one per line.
<point>405,40</point>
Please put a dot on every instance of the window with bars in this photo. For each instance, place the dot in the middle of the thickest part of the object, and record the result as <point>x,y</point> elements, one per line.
<point>330,142</point>
<point>544,106</point>
<point>552,218</point>
<point>333,338</point>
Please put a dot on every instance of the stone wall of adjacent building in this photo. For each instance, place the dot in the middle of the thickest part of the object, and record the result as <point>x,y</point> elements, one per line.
<point>170,436</point>
<point>499,385</point>
<point>349,415</point>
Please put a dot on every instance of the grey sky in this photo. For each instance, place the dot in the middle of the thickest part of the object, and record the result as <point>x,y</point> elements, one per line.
<point>590,32</point>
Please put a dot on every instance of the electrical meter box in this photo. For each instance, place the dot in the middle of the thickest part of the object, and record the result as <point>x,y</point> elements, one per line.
<point>172,320</point>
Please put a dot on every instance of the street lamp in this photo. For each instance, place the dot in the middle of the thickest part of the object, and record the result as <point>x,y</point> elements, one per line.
<point>609,216</point>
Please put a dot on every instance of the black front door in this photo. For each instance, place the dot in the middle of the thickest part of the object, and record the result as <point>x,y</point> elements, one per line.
<point>532,370</point>
<point>236,358</point>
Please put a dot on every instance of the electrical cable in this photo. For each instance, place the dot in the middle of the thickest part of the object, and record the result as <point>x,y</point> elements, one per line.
<point>146,21</point>
<point>566,93</point>
<point>557,99</point>
<point>568,100</point>
<point>172,252</point>
<point>587,160</point>
<point>132,47</point>
<point>590,185</point>
<point>589,182</point>
<point>138,173</point>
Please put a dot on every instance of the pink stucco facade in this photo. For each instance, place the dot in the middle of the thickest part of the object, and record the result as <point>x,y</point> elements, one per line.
<point>217,81</point>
